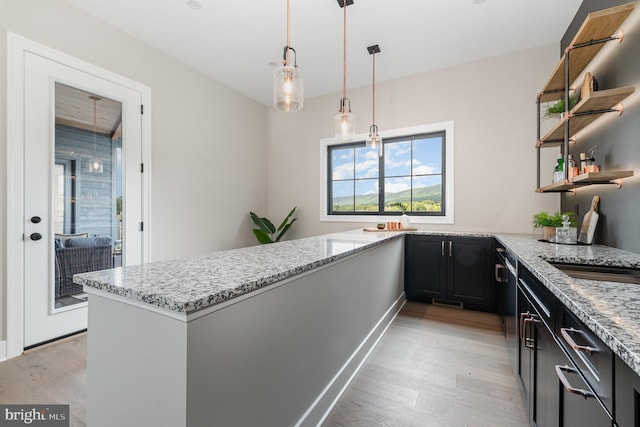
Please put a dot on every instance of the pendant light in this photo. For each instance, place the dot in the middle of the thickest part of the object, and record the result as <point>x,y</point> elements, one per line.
<point>345,121</point>
<point>374,140</point>
<point>287,79</point>
<point>95,164</point>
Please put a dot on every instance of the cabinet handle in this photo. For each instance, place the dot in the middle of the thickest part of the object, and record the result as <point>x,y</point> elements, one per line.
<point>497,273</point>
<point>442,248</point>
<point>565,332</point>
<point>450,245</point>
<point>523,316</point>
<point>560,372</point>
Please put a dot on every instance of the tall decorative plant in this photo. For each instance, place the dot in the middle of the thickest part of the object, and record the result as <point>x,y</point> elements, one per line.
<point>267,232</point>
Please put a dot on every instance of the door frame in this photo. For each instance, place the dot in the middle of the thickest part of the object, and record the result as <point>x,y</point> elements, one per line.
<point>14,225</point>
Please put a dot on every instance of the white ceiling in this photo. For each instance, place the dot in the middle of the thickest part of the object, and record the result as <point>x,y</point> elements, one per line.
<point>234,41</point>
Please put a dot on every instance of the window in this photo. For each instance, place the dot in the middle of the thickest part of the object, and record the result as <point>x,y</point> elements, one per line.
<point>415,170</point>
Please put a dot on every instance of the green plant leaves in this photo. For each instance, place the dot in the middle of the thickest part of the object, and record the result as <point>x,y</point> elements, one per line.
<point>262,236</point>
<point>267,231</point>
<point>264,224</point>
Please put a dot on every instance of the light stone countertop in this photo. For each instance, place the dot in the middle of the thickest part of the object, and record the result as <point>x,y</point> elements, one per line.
<point>611,310</point>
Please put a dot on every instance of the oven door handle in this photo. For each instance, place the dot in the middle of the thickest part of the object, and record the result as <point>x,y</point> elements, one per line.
<point>560,370</point>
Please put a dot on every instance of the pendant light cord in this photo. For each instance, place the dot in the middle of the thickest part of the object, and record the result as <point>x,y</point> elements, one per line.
<point>374,89</point>
<point>94,125</point>
<point>344,66</point>
<point>286,58</point>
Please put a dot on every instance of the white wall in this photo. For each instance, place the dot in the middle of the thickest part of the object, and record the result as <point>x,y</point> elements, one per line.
<point>203,133</point>
<point>493,105</point>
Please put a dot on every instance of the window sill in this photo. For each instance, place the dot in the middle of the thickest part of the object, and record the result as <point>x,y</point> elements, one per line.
<point>448,219</point>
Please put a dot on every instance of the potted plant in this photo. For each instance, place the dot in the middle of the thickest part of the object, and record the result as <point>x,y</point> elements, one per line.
<point>557,108</point>
<point>549,222</point>
<point>267,232</point>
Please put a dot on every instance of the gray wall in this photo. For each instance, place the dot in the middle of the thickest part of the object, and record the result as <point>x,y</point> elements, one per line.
<point>95,198</point>
<point>618,137</point>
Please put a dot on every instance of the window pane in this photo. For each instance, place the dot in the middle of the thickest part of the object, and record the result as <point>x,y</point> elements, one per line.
<point>427,156</point>
<point>367,195</point>
<point>342,196</point>
<point>396,190</point>
<point>397,160</point>
<point>342,164</point>
<point>427,194</point>
<point>367,161</point>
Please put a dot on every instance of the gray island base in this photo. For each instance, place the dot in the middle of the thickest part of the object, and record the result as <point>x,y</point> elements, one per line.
<point>277,354</point>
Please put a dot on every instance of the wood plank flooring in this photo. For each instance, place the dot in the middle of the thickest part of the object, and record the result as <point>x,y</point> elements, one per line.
<point>435,366</point>
<point>50,374</point>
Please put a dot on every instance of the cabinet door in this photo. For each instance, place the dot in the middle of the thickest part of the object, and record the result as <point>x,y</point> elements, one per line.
<point>425,268</point>
<point>470,272</point>
<point>548,354</point>
<point>627,395</point>
<point>525,351</point>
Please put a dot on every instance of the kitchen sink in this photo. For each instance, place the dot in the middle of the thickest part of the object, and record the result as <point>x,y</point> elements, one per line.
<point>600,272</point>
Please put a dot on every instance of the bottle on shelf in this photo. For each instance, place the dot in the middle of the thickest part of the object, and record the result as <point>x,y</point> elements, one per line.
<point>573,167</point>
<point>558,172</point>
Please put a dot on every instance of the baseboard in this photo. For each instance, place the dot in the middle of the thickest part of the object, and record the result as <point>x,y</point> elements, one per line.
<point>3,351</point>
<point>327,399</point>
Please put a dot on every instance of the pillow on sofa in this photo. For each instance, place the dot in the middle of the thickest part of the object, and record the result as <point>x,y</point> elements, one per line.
<point>89,241</point>
<point>61,239</point>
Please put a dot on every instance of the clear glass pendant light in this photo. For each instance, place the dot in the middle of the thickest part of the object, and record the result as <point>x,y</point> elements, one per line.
<point>287,79</point>
<point>345,121</point>
<point>95,164</point>
<point>374,140</point>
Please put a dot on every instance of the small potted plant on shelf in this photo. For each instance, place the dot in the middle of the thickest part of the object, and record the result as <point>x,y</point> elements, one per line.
<point>555,110</point>
<point>549,222</point>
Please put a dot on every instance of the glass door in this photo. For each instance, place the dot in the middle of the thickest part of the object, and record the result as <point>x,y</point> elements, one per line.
<point>82,190</point>
<point>87,189</point>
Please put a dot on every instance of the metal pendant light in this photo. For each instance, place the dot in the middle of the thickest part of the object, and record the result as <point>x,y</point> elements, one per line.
<point>287,79</point>
<point>345,121</point>
<point>374,140</point>
<point>95,164</point>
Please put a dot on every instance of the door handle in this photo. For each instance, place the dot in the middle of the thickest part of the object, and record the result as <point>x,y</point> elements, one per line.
<point>35,219</point>
<point>442,248</point>
<point>450,246</point>
<point>35,236</point>
<point>497,273</point>
<point>565,382</point>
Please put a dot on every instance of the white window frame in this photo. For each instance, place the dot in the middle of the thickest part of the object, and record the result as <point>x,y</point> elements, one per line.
<point>448,218</point>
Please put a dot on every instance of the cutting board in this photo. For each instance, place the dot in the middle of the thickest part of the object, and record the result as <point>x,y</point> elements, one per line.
<point>588,228</point>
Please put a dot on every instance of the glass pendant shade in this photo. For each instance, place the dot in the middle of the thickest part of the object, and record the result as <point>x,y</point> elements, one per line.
<point>345,126</point>
<point>374,140</point>
<point>95,165</point>
<point>287,89</point>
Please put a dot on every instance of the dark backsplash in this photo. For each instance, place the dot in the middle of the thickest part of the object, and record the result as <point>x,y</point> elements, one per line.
<point>617,136</point>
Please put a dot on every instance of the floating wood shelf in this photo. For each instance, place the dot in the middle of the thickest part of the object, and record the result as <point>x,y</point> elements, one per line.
<point>598,103</point>
<point>607,177</point>
<point>597,26</point>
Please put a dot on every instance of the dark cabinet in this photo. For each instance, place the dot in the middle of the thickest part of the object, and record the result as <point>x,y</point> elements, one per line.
<point>450,270</point>
<point>627,401</point>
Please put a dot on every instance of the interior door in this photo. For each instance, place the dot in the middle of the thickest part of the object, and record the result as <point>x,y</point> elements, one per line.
<point>82,201</point>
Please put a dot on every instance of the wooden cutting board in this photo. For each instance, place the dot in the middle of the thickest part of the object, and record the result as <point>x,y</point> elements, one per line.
<point>588,228</point>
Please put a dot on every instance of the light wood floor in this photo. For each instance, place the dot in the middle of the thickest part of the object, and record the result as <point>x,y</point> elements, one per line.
<point>55,373</point>
<point>435,366</point>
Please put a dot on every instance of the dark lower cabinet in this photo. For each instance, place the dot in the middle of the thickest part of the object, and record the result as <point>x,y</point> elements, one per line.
<point>456,270</point>
<point>627,397</point>
<point>558,373</point>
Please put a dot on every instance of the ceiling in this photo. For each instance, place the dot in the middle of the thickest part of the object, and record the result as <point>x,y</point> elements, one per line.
<point>234,42</point>
<point>74,107</point>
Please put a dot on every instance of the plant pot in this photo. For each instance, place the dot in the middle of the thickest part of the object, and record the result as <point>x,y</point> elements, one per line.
<point>548,232</point>
<point>405,221</point>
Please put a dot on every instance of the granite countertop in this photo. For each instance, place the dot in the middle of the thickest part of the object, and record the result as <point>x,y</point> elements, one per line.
<point>610,309</point>
<point>190,284</point>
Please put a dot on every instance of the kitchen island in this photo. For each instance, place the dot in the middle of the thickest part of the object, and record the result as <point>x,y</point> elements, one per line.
<point>265,335</point>
<point>270,335</point>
